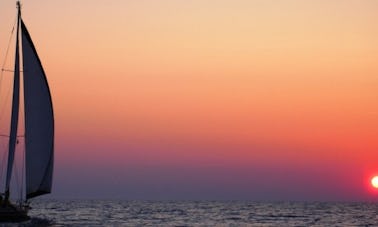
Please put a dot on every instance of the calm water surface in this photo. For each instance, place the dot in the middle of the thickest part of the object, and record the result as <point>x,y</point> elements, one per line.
<point>199,213</point>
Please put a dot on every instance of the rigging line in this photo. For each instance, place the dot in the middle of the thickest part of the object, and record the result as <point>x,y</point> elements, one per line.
<point>22,172</point>
<point>9,41</point>
<point>10,70</point>
<point>7,70</point>
<point>3,160</point>
<point>5,102</point>
<point>15,171</point>
<point>7,51</point>
<point>2,71</point>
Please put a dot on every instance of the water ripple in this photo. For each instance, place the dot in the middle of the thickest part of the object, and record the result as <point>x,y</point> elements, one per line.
<point>198,213</point>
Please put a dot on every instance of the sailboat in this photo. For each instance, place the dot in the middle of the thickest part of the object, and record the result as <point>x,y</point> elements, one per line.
<point>38,128</point>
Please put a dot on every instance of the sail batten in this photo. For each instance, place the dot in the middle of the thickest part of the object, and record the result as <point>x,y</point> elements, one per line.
<point>39,121</point>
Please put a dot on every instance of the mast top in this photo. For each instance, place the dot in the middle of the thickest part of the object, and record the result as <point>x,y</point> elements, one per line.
<point>18,4</point>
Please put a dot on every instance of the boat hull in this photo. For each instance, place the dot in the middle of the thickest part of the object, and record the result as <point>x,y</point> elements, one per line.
<point>10,213</point>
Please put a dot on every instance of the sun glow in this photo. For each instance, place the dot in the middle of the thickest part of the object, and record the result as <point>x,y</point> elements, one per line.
<point>374,181</point>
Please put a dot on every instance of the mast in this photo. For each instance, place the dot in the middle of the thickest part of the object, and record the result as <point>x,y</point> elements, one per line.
<point>15,108</point>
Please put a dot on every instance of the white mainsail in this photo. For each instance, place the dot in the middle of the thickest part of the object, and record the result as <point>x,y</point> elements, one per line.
<point>39,121</point>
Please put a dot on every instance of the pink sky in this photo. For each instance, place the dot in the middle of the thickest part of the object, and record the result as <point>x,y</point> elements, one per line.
<point>205,99</point>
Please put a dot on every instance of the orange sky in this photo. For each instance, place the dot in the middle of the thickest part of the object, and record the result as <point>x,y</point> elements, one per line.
<point>228,89</point>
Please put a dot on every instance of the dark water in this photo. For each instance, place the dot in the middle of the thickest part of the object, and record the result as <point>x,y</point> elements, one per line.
<point>201,213</point>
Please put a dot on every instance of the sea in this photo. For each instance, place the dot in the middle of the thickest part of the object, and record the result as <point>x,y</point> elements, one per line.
<point>199,213</point>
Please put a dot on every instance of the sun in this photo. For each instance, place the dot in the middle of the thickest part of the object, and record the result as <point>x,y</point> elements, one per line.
<point>374,181</point>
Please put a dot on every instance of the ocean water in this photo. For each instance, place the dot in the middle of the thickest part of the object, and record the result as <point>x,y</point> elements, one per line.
<point>199,213</point>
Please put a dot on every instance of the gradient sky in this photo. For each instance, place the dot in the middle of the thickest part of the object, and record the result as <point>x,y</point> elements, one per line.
<point>210,99</point>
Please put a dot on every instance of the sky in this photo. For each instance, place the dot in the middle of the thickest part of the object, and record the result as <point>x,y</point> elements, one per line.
<point>209,99</point>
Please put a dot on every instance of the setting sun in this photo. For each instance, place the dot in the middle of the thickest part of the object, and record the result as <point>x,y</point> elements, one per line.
<point>374,181</point>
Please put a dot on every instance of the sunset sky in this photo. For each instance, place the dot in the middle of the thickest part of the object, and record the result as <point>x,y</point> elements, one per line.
<point>209,99</point>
